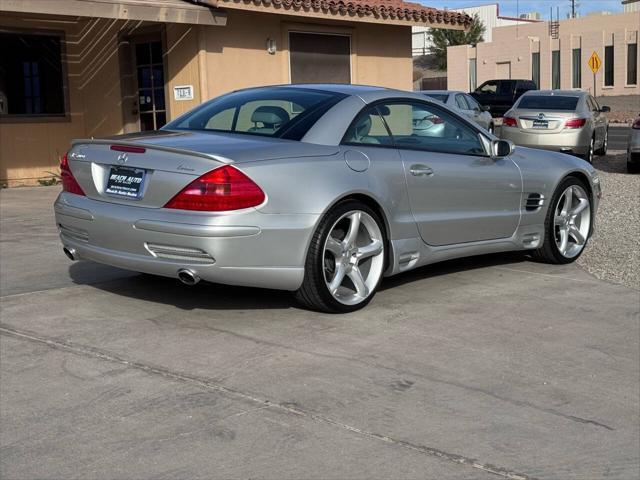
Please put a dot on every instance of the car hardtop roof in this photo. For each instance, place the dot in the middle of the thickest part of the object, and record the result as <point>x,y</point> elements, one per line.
<point>559,93</point>
<point>443,92</point>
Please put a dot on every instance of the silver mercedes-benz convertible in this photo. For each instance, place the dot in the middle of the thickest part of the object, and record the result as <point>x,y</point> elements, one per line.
<point>318,189</point>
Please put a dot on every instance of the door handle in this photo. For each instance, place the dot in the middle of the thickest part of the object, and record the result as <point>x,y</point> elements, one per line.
<point>419,170</point>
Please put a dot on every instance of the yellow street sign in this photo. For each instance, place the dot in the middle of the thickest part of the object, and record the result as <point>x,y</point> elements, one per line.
<point>594,62</point>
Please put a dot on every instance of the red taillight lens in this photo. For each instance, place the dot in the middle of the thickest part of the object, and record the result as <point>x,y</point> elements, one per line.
<point>224,188</point>
<point>509,122</point>
<point>128,148</point>
<point>636,124</point>
<point>69,182</point>
<point>575,123</point>
<point>436,120</point>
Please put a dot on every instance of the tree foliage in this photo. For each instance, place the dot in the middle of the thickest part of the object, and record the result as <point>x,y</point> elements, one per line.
<point>443,38</point>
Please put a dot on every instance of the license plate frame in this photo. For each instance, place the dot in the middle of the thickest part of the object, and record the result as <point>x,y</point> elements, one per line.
<point>541,124</point>
<point>125,182</point>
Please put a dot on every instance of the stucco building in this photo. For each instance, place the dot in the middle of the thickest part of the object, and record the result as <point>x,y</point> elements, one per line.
<point>555,58</point>
<point>91,68</point>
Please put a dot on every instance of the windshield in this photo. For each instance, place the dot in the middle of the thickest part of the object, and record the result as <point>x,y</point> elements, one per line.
<point>271,112</point>
<point>441,97</point>
<point>539,102</point>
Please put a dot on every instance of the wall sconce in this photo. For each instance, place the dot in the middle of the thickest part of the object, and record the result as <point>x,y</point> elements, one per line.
<point>271,46</point>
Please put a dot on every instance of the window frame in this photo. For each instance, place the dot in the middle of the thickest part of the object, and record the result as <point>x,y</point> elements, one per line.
<point>609,48</point>
<point>627,71</point>
<point>44,117</point>
<point>431,105</point>
<point>349,35</point>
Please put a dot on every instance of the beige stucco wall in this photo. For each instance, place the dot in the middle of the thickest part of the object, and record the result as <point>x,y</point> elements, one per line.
<point>213,59</point>
<point>515,45</point>
<point>30,149</point>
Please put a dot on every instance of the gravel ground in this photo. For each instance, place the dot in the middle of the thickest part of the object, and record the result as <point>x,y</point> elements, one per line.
<point>613,252</point>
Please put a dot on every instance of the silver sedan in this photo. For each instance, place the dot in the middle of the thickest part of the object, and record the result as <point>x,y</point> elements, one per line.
<point>466,104</point>
<point>317,189</point>
<point>567,121</point>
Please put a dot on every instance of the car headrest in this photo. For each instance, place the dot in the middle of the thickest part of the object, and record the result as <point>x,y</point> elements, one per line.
<point>363,127</point>
<point>384,110</point>
<point>270,115</point>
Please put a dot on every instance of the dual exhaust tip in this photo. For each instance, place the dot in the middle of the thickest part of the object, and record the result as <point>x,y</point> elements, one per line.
<point>185,275</point>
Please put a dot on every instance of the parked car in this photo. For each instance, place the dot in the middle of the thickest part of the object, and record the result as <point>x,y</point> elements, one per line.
<point>633,149</point>
<point>317,189</point>
<point>567,121</point>
<point>466,104</point>
<point>500,95</point>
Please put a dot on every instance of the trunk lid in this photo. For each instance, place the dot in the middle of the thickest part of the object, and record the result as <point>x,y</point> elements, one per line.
<point>151,168</point>
<point>534,121</point>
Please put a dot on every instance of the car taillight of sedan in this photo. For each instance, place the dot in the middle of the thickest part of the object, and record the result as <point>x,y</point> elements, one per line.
<point>575,123</point>
<point>509,122</point>
<point>69,182</point>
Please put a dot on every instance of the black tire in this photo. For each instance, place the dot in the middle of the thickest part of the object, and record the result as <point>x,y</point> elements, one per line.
<point>589,155</point>
<point>603,149</point>
<point>548,252</point>
<point>313,293</point>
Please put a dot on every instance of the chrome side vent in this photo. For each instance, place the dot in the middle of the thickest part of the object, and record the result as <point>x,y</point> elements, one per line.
<point>180,254</point>
<point>74,233</point>
<point>534,202</point>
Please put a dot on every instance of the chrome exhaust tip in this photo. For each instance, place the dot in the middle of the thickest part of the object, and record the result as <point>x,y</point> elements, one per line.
<point>188,277</point>
<point>70,253</point>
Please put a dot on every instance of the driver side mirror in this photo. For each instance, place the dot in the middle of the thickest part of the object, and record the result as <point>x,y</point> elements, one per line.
<point>501,148</point>
<point>485,108</point>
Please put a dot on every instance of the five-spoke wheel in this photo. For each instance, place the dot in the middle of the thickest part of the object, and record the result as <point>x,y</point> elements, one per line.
<point>568,223</point>
<point>346,259</point>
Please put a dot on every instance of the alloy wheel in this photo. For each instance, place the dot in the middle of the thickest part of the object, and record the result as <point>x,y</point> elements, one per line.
<point>572,220</point>
<point>353,257</point>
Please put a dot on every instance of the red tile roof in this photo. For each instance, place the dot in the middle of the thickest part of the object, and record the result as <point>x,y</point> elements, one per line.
<point>379,9</point>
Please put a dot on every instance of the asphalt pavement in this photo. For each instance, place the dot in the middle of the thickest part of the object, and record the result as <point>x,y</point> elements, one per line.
<point>489,367</point>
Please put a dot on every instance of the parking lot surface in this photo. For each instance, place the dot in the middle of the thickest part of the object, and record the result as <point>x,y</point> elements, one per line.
<point>481,368</point>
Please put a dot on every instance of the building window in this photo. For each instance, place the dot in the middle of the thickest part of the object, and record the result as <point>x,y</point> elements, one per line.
<point>576,69</point>
<point>608,66</point>
<point>473,74</point>
<point>535,69</point>
<point>555,69</point>
<point>632,64</point>
<point>319,58</point>
<point>31,75</point>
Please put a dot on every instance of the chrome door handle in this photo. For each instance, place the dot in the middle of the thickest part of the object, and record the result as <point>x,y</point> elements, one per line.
<point>421,170</point>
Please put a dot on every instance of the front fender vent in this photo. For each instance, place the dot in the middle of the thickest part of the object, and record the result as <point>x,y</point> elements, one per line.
<point>534,202</point>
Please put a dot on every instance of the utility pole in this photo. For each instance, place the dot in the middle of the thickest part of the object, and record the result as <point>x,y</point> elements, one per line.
<point>575,4</point>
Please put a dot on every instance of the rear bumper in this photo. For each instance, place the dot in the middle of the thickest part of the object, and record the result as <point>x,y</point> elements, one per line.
<point>245,248</point>
<point>571,141</point>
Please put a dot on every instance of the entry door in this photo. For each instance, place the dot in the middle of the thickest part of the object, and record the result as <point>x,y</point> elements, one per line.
<point>457,193</point>
<point>504,70</point>
<point>150,88</point>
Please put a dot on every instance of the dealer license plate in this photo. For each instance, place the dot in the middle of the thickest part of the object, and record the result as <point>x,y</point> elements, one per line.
<point>540,124</point>
<point>125,182</point>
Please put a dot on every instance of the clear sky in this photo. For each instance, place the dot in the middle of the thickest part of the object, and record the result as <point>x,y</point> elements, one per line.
<point>510,8</point>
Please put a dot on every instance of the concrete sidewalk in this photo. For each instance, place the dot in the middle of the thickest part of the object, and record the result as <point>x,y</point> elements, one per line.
<point>470,369</point>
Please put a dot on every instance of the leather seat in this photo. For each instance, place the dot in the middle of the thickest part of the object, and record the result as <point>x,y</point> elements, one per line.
<point>270,117</point>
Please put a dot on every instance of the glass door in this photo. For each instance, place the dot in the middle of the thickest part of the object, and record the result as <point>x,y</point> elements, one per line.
<point>150,74</point>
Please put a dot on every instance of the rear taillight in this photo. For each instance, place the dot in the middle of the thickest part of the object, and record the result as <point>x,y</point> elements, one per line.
<point>224,188</point>
<point>69,182</point>
<point>636,124</point>
<point>575,123</point>
<point>436,120</point>
<point>509,122</point>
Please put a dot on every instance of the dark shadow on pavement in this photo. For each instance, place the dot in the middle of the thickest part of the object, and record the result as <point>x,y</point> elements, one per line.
<point>211,296</point>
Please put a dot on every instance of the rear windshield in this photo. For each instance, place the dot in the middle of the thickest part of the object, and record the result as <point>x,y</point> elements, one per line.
<point>539,102</point>
<point>442,97</point>
<point>271,112</point>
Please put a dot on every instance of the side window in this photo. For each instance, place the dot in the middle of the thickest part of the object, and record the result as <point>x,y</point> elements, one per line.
<point>461,102</point>
<point>506,88</point>
<point>369,128</point>
<point>489,88</point>
<point>596,106</point>
<point>425,127</point>
<point>473,105</point>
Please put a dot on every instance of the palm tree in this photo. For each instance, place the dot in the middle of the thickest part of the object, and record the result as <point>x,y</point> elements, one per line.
<point>443,38</point>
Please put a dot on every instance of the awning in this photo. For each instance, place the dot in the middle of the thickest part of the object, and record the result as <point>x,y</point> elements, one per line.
<point>169,11</point>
